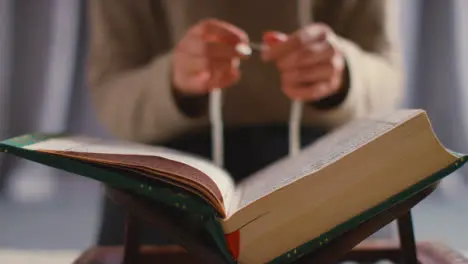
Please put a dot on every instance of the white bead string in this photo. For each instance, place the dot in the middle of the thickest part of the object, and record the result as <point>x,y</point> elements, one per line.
<point>216,120</point>
<point>304,9</point>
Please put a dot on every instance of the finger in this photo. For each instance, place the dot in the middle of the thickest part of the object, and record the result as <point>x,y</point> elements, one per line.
<point>271,38</point>
<point>296,41</point>
<point>290,61</point>
<point>199,74</point>
<point>196,46</point>
<point>313,55</point>
<point>308,88</point>
<point>313,33</point>
<point>306,57</point>
<point>205,81</point>
<point>219,71</point>
<point>219,31</point>
<point>311,92</point>
<point>318,66</point>
<point>222,73</point>
<point>224,79</point>
<point>279,49</point>
<point>194,64</point>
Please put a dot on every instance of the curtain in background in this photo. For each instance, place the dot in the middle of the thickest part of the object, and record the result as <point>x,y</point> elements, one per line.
<point>5,50</point>
<point>42,48</point>
<point>42,51</point>
<point>436,39</point>
<point>461,49</point>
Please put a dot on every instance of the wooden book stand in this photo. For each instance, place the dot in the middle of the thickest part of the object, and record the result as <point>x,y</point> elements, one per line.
<point>347,247</point>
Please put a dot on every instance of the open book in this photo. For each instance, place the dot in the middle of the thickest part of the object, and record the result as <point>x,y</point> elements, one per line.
<point>284,210</point>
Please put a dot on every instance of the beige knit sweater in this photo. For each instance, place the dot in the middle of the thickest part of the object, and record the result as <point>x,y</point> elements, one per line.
<point>130,62</point>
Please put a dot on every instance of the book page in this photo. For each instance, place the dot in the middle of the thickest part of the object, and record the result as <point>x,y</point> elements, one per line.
<point>318,155</point>
<point>93,145</point>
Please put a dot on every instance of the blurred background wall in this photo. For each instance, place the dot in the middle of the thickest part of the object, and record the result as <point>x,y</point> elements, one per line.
<point>42,88</point>
<point>435,37</point>
<point>42,54</point>
<point>44,46</point>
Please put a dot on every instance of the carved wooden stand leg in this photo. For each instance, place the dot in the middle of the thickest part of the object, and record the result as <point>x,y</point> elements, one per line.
<point>407,240</point>
<point>138,212</point>
<point>131,242</point>
<point>405,252</point>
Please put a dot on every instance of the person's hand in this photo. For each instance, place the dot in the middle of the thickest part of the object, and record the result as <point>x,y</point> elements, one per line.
<point>208,57</point>
<point>311,67</point>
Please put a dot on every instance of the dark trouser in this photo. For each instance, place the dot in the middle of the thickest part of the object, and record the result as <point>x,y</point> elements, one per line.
<point>246,151</point>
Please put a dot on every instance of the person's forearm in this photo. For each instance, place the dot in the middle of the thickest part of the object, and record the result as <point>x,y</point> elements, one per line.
<point>139,104</point>
<point>130,71</point>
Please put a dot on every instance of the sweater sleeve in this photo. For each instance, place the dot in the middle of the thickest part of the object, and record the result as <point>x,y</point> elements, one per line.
<point>369,40</point>
<point>129,68</point>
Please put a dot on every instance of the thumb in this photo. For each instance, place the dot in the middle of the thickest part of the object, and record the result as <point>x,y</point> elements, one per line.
<point>272,37</point>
